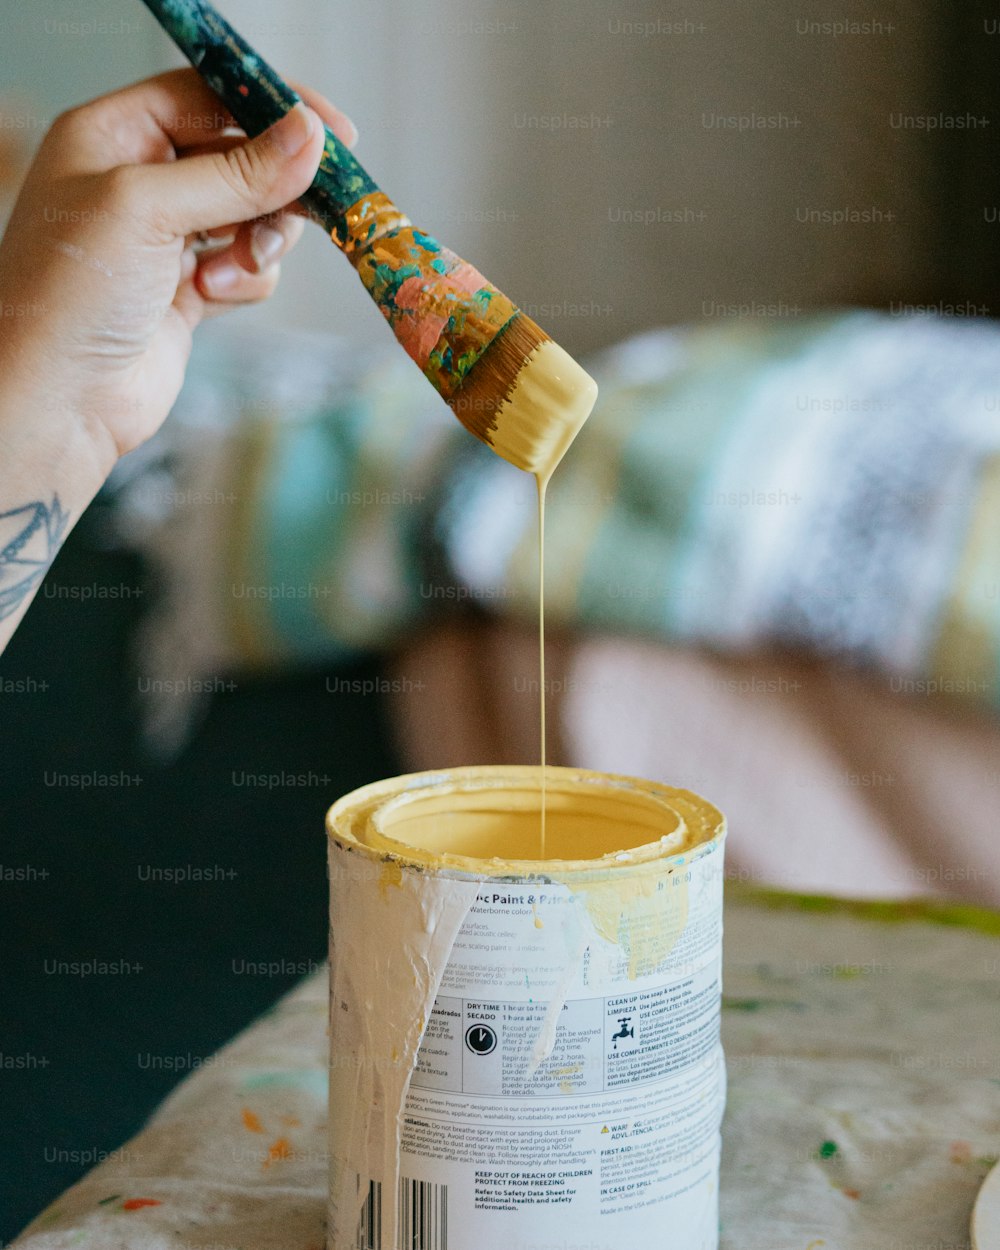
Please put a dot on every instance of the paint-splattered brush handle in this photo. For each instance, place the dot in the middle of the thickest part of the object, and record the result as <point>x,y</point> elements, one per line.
<point>258,97</point>
<point>442,310</point>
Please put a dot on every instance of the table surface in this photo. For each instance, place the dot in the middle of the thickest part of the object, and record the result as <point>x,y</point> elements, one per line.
<point>864,1098</point>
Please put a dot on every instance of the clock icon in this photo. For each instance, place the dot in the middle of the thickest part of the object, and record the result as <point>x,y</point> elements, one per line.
<point>480,1039</point>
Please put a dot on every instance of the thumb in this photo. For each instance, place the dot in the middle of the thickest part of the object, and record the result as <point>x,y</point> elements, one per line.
<point>249,180</point>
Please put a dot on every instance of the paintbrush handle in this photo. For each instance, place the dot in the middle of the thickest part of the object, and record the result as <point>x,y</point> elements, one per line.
<point>442,310</point>
<point>258,97</point>
<point>468,339</point>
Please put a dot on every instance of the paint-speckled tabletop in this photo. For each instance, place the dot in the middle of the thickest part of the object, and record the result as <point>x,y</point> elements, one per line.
<point>864,1099</point>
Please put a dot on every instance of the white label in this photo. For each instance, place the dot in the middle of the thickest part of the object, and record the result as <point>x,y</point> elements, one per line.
<point>557,1104</point>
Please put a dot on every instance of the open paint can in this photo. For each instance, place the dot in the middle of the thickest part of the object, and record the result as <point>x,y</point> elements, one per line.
<point>524,1044</point>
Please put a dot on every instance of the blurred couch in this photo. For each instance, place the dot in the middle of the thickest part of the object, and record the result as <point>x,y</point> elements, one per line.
<point>314,578</point>
<point>832,784</point>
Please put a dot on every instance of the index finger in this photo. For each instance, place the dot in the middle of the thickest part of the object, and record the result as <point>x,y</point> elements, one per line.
<point>158,120</point>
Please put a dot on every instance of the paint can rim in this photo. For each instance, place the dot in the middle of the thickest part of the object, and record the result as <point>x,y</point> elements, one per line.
<point>355,816</point>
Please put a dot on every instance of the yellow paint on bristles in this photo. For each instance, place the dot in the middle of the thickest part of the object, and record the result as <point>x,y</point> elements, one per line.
<point>526,398</point>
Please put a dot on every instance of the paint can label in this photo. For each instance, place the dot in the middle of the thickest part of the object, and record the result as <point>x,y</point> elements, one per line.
<point>616,1128</point>
<point>567,1083</point>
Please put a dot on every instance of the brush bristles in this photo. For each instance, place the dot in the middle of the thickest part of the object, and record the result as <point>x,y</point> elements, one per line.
<point>489,383</point>
<point>526,398</point>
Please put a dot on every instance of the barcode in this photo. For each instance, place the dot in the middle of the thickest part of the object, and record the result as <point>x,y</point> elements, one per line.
<point>423,1216</point>
<point>370,1222</point>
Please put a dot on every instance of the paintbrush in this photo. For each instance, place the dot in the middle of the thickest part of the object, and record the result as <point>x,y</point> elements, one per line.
<point>504,378</point>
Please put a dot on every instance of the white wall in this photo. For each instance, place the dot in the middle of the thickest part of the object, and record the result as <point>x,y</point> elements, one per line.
<point>53,53</point>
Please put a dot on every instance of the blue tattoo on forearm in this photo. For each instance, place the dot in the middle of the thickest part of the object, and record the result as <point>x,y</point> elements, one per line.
<point>29,539</point>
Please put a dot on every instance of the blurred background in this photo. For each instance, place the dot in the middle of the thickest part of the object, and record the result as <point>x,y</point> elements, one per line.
<point>614,168</point>
<point>537,138</point>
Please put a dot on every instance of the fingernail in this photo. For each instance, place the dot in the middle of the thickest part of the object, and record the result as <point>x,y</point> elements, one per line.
<point>292,133</point>
<point>352,137</point>
<point>221,279</point>
<point>266,245</point>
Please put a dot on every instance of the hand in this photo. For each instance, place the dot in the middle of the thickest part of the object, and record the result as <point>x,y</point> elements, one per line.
<point>102,262</point>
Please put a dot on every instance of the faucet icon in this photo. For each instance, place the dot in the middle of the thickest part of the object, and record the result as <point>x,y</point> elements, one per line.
<point>623,1030</point>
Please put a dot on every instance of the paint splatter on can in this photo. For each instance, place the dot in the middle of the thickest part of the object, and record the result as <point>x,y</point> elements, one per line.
<point>524,1052</point>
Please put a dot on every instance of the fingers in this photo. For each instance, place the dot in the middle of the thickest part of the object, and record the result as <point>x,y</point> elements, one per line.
<point>250,179</point>
<point>196,303</point>
<point>154,120</point>
<point>234,286</point>
<point>255,248</point>
<point>339,122</point>
<point>147,121</point>
<point>260,243</point>
<point>249,250</point>
<point>216,128</point>
<point>195,307</point>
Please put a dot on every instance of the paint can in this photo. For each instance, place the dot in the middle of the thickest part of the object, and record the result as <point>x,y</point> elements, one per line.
<point>524,1052</point>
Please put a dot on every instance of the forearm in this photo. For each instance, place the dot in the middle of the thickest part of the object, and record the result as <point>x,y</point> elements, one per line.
<point>51,467</point>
